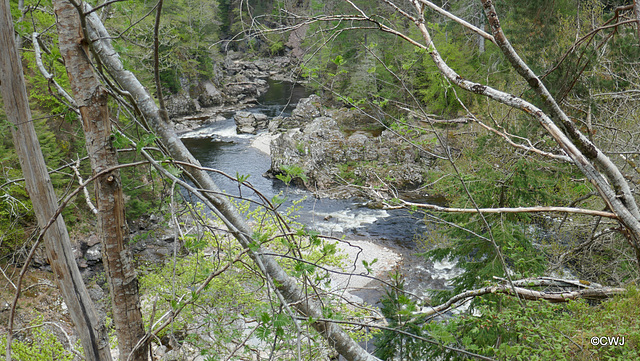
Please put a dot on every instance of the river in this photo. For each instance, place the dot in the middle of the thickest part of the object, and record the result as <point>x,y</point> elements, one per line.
<point>398,230</point>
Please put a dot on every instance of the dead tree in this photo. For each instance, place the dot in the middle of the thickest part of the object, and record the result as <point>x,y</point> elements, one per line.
<point>90,328</point>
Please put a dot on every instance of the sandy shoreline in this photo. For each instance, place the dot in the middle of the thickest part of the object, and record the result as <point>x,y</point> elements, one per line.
<point>354,279</point>
<point>262,142</point>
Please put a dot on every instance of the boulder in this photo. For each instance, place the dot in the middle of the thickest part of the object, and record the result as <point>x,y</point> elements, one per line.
<point>353,120</point>
<point>181,104</point>
<point>94,253</point>
<point>208,94</point>
<point>308,109</point>
<point>311,149</point>
<point>250,123</point>
<point>332,157</point>
<point>274,124</point>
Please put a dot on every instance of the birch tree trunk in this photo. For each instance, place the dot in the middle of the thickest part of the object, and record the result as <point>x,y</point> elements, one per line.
<point>586,156</point>
<point>479,38</point>
<point>91,330</point>
<point>237,225</point>
<point>91,99</point>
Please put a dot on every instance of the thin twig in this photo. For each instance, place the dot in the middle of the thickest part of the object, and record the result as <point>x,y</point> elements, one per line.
<point>87,197</point>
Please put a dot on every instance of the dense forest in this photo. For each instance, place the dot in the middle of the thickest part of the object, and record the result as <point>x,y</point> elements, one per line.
<point>504,130</point>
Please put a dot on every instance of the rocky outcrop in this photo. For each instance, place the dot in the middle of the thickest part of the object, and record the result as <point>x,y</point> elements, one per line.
<point>207,94</point>
<point>345,149</point>
<point>277,68</point>
<point>237,82</point>
<point>245,80</point>
<point>241,88</point>
<point>181,104</point>
<point>306,110</point>
<point>249,123</point>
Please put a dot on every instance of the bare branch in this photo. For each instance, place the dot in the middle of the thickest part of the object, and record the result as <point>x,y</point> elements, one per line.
<point>156,57</point>
<point>104,4</point>
<point>49,76</point>
<point>87,197</point>
<point>433,207</point>
<point>592,292</point>
<point>529,148</point>
<point>462,22</point>
<point>636,12</point>
<point>7,278</point>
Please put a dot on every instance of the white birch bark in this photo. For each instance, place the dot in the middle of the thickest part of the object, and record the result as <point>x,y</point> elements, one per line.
<point>584,154</point>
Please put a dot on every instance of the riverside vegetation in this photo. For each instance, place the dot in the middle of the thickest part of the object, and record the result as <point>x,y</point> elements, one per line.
<point>467,150</point>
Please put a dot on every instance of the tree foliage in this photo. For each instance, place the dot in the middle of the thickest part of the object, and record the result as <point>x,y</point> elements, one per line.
<point>592,73</point>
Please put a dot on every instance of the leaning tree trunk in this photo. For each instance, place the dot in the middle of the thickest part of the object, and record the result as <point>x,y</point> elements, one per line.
<point>286,285</point>
<point>615,191</point>
<point>588,158</point>
<point>91,99</point>
<point>91,330</point>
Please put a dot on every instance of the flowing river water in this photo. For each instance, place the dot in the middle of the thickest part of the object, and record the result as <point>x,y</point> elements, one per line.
<point>397,230</point>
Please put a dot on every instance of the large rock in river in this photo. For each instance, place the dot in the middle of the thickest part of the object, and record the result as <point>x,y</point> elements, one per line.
<point>334,161</point>
<point>306,110</point>
<point>249,123</point>
<point>181,104</point>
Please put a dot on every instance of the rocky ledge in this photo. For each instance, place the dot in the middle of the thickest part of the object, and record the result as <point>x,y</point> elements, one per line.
<point>237,82</point>
<point>341,153</point>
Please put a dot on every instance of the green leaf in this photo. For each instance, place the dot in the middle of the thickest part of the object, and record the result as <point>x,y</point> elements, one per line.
<point>145,140</point>
<point>304,268</point>
<point>281,320</point>
<point>242,177</point>
<point>173,170</point>
<point>254,246</point>
<point>119,141</point>
<point>339,60</point>
<point>175,305</point>
<point>277,200</point>
<point>265,317</point>
<point>263,332</point>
